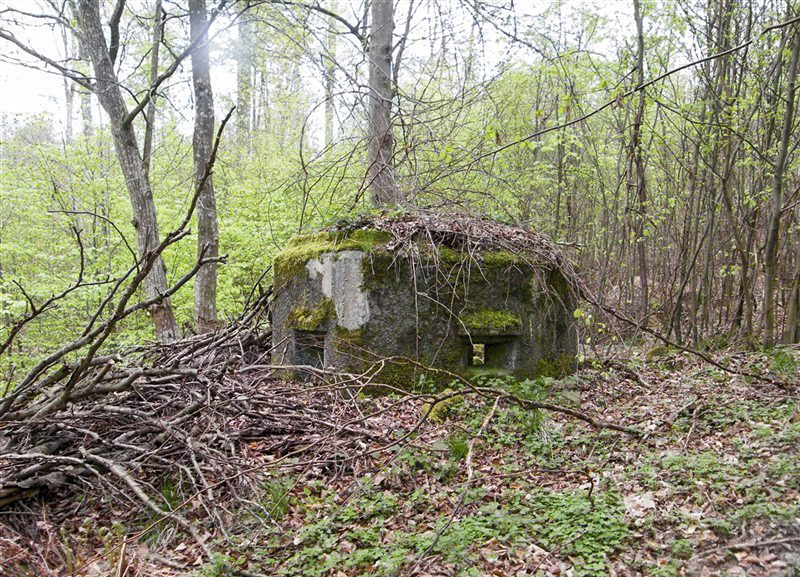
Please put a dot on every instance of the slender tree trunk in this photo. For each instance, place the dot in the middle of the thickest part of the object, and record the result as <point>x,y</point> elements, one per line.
<point>69,87</point>
<point>636,171</point>
<point>329,61</point>
<point>109,94</point>
<point>244,80</point>
<point>776,205</point>
<point>380,141</point>
<point>158,31</point>
<point>689,246</point>
<point>205,283</point>
<point>85,97</point>
<point>559,172</point>
<point>791,331</point>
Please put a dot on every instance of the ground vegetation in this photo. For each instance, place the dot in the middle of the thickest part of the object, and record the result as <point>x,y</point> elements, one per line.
<point>656,146</point>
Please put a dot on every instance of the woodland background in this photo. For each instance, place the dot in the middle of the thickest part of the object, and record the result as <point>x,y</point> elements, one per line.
<point>675,194</point>
<point>143,430</point>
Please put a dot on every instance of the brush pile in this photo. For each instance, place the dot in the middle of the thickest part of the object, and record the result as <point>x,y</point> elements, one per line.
<point>180,432</point>
<point>464,233</point>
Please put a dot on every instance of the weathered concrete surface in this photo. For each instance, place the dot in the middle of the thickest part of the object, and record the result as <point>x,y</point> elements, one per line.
<point>340,277</point>
<point>491,312</point>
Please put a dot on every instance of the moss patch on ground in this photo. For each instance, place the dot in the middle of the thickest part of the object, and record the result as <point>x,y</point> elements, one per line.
<point>438,411</point>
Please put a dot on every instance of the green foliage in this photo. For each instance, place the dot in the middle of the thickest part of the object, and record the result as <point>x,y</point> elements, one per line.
<point>568,520</point>
<point>521,422</point>
<point>537,389</point>
<point>172,494</point>
<point>458,445</point>
<point>221,565</point>
<point>588,528</point>
<point>667,570</point>
<point>682,549</point>
<point>112,539</point>
<point>172,497</point>
<point>275,497</point>
<point>783,361</point>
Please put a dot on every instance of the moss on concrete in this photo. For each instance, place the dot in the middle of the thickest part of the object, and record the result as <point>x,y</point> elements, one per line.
<point>448,255</point>
<point>351,342</point>
<point>368,238</point>
<point>407,377</point>
<point>400,375</point>
<point>491,321</point>
<point>377,270</point>
<point>504,258</point>
<point>488,258</point>
<point>403,376</point>
<point>555,367</point>
<point>305,318</point>
<point>299,250</point>
<point>349,337</point>
<point>449,355</point>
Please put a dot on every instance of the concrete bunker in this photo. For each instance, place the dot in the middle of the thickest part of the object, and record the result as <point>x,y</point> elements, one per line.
<point>398,295</point>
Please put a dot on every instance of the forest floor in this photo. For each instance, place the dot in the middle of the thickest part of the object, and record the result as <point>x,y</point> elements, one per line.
<point>494,489</point>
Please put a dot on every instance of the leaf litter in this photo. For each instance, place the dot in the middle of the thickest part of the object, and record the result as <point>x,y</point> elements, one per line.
<point>346,485</point>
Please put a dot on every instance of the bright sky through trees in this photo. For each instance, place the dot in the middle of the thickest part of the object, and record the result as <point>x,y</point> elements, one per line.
<point>28,89</point>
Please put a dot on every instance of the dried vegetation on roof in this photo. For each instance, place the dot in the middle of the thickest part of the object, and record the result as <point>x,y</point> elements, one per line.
<point>468,234</point>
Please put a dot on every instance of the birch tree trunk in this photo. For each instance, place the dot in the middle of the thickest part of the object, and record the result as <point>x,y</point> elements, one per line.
<point>87,128</point>
<point>107,89</point>
<point>205,283</point>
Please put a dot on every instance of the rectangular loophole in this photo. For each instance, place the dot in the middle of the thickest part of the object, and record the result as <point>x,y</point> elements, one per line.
<point>477,354</point>
<point>491,352</point>
<point>309,348</point>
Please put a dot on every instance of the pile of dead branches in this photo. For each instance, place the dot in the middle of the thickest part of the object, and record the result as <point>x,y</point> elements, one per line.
<point>182,433</point>
<point>190,408</point>
<point>465,233</point>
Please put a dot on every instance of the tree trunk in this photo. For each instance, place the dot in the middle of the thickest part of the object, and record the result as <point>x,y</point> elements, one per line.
<point>107,88</point>
<point>69,87</point>
<point>244,81</point>
<point>791,331</point>
<point>380,142</point>
<point>636,171</point>
<point>329,62</point>
<point>85,97</point>
<point>776,206</point>
<point>158,30</point>
<point>205,283</point>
